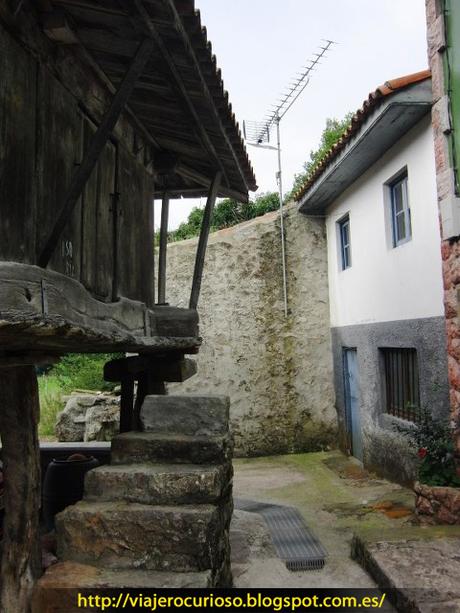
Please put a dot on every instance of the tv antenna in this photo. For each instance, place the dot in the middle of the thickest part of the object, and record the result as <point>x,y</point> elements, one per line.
<point>257,134</point>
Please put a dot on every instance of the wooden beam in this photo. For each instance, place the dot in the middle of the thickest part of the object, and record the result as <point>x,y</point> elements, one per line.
<point>126,403</point>
<point>190,173</point>
<point>146,386</point>
<point>180,87</point>
<point>96,147</point>
<point>19,416</point>
<point>180,28</point>
<point>203,241</point>
<point>163,249</point>
<point>173,368</point>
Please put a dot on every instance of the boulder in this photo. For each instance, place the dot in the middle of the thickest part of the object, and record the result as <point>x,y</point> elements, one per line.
<point>70,423</point>
<point>103,420</point>
<point>88,417</point>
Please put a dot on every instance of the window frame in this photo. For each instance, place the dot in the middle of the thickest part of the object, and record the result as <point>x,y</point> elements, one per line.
<point>344,246</point>
<point>405,213</point>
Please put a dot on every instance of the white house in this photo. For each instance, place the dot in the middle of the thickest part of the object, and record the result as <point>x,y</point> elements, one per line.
<point>377,191</point>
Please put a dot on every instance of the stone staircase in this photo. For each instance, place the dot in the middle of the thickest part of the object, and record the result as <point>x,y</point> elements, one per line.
<point>159,515</point>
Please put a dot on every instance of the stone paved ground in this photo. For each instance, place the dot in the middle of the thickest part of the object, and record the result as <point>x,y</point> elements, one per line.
<point>338,500</point>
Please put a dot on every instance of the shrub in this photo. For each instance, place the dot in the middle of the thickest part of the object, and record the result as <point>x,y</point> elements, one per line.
<point>432,440</point>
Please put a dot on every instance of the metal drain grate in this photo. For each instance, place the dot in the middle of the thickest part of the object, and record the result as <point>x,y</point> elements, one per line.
<point>293,540</point>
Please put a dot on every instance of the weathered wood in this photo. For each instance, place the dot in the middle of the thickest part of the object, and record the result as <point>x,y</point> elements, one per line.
<point>203,241</point>
<point>77,322</point>
<point>190,173</point>
<point>126,403</point>
<point>163,249</point>
<point>30,359</point>
<point>205,88</point>
<point>171,368</point>
<point>179,86</point>
<point>98,239</point>
<point>59,149</point>
<point>17,141</point>
<point>135,245</point>
<point>19,416</point>
<point>97,145</point>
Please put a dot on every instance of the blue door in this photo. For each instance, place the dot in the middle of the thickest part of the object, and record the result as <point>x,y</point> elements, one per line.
<point>353,415</point>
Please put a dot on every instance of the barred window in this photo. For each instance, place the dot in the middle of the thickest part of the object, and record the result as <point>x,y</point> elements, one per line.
<point>402,383</point>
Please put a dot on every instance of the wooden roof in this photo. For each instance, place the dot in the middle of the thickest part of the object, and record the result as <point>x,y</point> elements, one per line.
<point>180,98</point>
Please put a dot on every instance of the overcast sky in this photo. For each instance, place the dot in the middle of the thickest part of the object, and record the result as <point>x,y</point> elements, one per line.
<point>261,44</point>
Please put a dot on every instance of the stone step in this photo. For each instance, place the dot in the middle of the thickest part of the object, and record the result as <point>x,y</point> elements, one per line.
<point>59,587</point>
<point>189,415</point>
<point>159,484</point>
<point>128,535</point>
<point>145,447</point>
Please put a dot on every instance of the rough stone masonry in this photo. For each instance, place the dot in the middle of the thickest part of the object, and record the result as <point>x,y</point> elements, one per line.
<point>159,514</point>
<point>446,189</point>
<point>277,371</point>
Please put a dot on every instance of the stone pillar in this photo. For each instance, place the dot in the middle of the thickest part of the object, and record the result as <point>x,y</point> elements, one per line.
<point>159,515</point>
<point>446,190</point>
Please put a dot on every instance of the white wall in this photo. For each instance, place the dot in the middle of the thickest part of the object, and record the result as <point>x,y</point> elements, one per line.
<point>386,283</point>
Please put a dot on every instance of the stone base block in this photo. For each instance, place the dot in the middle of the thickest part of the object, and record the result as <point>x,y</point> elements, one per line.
<point>135,536</point>
<point>190,415</point>
<point>58,589</point>
<point>145,447</point>
<point>159,484</point>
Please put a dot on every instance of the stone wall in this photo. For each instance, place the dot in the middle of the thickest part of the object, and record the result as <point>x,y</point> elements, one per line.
<point>437,505</point>
<point>277,371</point>
<point>446,191</point>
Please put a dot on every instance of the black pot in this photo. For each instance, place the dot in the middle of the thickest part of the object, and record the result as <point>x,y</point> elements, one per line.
<point>63,486</point>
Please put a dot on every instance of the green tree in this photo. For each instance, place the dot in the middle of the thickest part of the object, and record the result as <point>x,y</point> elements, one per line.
<point>332,133</point>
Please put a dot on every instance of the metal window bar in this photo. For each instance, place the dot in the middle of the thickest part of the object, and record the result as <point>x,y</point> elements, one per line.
<point>402,383</point>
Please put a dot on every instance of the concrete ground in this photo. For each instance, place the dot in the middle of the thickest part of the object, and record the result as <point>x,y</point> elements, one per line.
<point>335,496</point>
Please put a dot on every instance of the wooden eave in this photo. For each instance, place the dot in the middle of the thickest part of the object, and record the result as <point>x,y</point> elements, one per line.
<point>179,99</point>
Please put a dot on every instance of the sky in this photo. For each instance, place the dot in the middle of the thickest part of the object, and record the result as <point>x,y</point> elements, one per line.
<point>261,44</point>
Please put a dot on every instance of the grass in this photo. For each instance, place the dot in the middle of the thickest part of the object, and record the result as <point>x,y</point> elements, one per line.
<point>51,403</point>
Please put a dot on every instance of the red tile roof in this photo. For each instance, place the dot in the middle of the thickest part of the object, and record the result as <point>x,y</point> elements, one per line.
<point>374,99</point>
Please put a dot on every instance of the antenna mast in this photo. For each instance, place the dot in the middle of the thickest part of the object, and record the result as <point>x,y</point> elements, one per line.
<point>258,133</point>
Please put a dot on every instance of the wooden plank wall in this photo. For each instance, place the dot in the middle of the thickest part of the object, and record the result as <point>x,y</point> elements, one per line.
<point>17,151</point>
<point>44,130</point>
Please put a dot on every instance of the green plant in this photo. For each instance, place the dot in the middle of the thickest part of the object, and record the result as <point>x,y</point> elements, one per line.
<point>432,439</point>
<point>50,392</point>
<point>83,371</point>
<point>332,133</point>
<point>227,213</point>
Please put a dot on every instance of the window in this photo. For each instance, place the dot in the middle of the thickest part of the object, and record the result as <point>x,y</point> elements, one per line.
<point>401,383</point>
<point>344,242</point>
<point>400,211</point>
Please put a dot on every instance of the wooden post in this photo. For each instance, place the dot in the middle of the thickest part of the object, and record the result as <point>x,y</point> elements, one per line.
<point>19,416</point>
<point>203,241</point>
<point>146,385</point>
<point>97,145</point>
<point>163,250</point>
<point>126,404</point>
